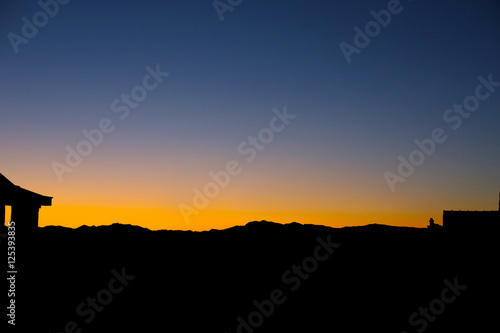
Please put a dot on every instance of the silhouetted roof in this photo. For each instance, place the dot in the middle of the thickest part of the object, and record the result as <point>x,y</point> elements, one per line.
<point>4,182</point>
<point>11,194</point>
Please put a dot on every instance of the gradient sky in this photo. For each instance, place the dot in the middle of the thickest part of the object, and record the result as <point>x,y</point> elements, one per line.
<point>225,78</point>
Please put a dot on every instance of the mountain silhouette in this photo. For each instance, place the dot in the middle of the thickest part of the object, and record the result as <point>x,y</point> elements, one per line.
<point>261,277</point>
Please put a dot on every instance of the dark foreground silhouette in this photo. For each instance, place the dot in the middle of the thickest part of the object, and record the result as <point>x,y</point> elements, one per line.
<point>262,277</point>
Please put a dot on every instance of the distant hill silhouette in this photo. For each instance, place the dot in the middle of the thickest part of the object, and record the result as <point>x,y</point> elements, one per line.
<point>188,281</point>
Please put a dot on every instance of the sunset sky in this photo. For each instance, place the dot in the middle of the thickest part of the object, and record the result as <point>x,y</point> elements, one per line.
<point>267,94</point>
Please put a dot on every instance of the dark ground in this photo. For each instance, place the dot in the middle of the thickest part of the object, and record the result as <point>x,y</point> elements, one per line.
<point>175,281</point>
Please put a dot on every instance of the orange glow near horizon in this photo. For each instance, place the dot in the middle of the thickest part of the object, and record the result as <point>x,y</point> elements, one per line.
<point>139,197</point>
<point>158,219</point>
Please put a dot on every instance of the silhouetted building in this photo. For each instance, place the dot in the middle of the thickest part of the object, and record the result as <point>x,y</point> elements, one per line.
<point>433,225</point>
<point>24,204</point>
<point>470,220</point>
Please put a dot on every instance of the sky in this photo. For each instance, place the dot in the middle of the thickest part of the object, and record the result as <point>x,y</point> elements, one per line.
<point>199,115</point>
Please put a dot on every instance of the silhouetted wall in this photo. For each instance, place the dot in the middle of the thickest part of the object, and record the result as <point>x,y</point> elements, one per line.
<point>26,215</point>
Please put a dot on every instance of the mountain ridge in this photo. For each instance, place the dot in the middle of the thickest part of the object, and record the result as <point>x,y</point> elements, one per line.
<point>249,225</point>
